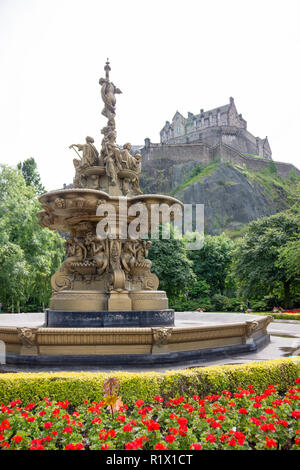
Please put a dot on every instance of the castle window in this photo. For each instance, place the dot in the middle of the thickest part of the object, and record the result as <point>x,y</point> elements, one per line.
<point>210,119</point>
<point>219,115</point>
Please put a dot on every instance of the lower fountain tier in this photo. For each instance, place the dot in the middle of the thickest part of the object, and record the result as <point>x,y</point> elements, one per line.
<point>208,335</point>
<point>86,319</point>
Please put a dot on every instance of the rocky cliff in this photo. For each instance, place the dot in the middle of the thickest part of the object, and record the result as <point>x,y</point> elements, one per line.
<point>232,195</point>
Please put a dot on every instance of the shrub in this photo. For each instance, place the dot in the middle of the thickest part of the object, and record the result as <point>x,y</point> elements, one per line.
<point>76,387</point>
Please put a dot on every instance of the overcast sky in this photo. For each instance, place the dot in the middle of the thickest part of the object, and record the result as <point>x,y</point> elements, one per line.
<point>165,55</point>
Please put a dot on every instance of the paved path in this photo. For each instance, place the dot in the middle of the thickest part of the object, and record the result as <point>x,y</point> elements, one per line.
<point>285,341</point>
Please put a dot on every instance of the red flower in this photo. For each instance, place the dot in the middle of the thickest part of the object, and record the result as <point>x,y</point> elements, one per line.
<point>37,447</point>
<point>182,421</point>
<point>296,414</point>
<point>17,438</point>
<point>173,431</point>
<point>4,425</point>
<point>31,419</point>
<point>232,442</point>
<point>221,417</point>
<point>96,420</point>
<point>103,435</point>
<point>121,418</point>
<point>243,411</point>
<point>139,403</point>
<point>159,399</point>
<point>68,430</point>
<point>215,424</point>
<point>270,442</point>
<point>297,381</point>
<point>160,446</point>
<point>78,446</point>
<point>30,406</point>
<point>170,438</point>
<point>48,425</point>
<point>127,428</point>
<point>195,446</point>
<point>210,438</point>
<point>268,427</point>
<point>152,425</point>
<point>269,411</point>
<point>282,422</point>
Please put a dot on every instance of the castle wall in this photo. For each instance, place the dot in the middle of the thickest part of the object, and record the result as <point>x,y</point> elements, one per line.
<point>228,154</point>
<point>166,155</point>
<point>177,153</point>
<point>238,138</point>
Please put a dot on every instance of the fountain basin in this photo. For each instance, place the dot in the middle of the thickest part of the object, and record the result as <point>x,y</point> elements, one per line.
<point>223,333</point>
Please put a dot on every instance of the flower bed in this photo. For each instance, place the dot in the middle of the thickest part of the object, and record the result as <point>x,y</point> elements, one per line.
<point>242,420</point>
<point>287,315</point>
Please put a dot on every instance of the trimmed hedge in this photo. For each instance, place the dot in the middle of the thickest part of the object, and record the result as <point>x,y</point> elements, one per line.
<point>79,386</point>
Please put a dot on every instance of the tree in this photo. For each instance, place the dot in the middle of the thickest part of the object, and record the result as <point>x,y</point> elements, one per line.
<point>258,266</point>
<point>172,266</point>
<point>31,175</point>
<point>212,262</point>
<point>29,254</point>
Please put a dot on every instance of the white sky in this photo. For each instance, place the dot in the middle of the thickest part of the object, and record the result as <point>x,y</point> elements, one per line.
<point>165,55</point>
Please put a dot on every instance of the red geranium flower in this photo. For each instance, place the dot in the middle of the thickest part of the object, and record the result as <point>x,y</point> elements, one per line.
<point>127,428</point>
<point>195,446</point>
<point>270,442</point>
<point>170,438</point>
<point>160,446</point>
<point>139,403</point>
<point>210,438</point>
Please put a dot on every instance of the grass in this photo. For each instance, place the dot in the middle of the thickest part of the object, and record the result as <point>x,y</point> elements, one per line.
<point>202,172</point>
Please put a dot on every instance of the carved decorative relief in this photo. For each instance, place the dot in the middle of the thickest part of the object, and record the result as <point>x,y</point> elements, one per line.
<point>28,336</point>
<point>161,335</point>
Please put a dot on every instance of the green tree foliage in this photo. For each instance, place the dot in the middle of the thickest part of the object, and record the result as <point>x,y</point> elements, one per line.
<point>289,260</point>
<point>29,254</point>
<point>31,175</point>
<point>211,263</point>
<point>172,266</point>
<point>261,257</point>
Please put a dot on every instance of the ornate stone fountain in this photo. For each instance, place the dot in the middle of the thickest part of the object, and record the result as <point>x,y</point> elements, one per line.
<point>108,273</point>
<point>105,306</point>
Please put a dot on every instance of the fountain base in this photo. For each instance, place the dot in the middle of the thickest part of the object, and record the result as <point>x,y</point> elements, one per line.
<point>88,319</point>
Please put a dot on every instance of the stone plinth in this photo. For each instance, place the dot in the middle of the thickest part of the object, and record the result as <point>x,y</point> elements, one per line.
<point>87,319</point>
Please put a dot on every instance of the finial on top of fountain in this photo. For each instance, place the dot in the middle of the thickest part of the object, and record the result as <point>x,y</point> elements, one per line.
<point>107,69</point>
<point>114,171</point>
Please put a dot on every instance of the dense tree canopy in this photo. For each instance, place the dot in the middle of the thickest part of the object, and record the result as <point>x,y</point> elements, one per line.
<point>172,266</point>
<point>31,175</point>
<point>29,254</point>
<point>261,259</point>
<point>211,263</point>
